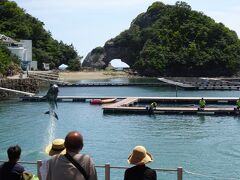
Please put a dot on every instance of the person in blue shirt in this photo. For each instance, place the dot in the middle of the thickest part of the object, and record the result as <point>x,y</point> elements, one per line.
<point>11,170</point>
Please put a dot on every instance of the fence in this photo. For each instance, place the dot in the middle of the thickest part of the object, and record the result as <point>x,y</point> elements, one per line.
<point>107,168</point>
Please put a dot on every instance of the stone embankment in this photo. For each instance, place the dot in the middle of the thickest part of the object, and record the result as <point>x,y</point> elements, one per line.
<point>27,85</point>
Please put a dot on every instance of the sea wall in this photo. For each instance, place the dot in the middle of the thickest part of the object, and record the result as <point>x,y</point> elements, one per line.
<point>27,85</point>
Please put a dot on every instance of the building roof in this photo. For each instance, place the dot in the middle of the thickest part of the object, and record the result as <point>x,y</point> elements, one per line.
<point>7,39</point>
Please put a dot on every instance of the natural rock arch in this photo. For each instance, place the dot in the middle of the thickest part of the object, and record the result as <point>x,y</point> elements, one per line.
<point>100,57</point>
<point>118,63</point>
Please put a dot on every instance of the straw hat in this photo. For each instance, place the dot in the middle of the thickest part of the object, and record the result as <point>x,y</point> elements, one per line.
<point>57,147</point>
<point>139,156</point>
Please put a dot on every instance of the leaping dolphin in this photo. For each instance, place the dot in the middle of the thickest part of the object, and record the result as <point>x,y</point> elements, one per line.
<point>51,97</point>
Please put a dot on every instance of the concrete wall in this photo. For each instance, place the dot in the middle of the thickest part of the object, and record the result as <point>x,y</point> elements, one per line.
<point>18,51</point>
<point>27,85</point>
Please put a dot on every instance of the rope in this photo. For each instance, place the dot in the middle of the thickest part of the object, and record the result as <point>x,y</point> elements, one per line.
<point>208,176</point>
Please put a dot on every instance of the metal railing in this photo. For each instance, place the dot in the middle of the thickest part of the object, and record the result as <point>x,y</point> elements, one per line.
<point>107,169</point>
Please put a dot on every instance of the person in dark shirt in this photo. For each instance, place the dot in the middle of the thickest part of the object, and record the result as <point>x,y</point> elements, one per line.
<point>139,157</point>
<point>11,169</point>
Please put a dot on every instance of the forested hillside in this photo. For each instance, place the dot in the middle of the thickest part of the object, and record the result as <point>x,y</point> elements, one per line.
<point>174,40</point>
<point>17,24</point>
<point>7,60</point>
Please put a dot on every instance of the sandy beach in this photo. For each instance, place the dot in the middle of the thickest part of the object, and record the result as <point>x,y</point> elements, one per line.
<point>85,75</point>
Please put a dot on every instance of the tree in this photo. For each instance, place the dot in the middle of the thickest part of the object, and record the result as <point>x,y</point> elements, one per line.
<point>174,40</point>
<point>74,64</point>
<point>17,24</point>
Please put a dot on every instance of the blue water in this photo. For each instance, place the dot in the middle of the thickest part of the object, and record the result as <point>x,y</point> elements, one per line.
<point>208,145</point>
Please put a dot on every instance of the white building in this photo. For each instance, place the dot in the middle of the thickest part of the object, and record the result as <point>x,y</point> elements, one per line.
<point>22,49</point>
<point>46,66</point>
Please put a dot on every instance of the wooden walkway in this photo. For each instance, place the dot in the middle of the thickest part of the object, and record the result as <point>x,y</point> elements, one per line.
<point>46,76</point>
<point>48,80</point>
<point>17,92</point>
<point>129,101</point>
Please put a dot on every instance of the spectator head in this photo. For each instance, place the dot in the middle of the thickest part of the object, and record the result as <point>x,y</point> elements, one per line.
<point>14,153</point>
<point>56,147</point>
<point>139,156</point>
<point>73,142</point>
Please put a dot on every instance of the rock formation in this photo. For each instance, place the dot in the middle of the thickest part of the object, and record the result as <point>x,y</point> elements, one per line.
<point>100,57</point>
<point>172,40</point>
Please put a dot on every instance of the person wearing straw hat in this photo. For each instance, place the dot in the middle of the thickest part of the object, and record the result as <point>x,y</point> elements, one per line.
<point>140,157</point>
<point>72,165</point>
<point>56,147</point>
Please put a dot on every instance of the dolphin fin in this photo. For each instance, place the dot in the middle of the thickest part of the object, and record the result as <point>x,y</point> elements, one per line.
<point>48,112</point>
<point>55,115</point>
<point>56,104</point>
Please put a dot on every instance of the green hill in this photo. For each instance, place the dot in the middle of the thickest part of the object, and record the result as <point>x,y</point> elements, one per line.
<point>174,40</point>
<point>17,24</point>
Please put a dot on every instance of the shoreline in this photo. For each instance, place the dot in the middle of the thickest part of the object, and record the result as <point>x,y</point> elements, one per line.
<point>94,75</point>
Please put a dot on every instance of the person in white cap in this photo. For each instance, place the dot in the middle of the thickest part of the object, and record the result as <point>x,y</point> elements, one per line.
<point>139,157</point>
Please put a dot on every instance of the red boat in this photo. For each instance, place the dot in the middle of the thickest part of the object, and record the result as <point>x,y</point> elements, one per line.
<point>102,101</point>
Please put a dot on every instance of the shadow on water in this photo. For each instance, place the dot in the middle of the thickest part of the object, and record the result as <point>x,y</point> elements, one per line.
<point>202,118</point>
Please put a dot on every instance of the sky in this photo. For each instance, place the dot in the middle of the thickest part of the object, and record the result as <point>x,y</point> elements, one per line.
<point>90,23</point>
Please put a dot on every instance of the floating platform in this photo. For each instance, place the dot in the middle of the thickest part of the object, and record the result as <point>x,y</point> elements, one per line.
<point>128,106</point>
<point>103,84</point>
<point>178,84</point>
<point>172,110</point>
<point>201,83</point>
<point>133,100</point>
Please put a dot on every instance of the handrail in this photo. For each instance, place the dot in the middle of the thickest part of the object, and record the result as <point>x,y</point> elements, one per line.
<point>17,91</point>
<point>108,167</point>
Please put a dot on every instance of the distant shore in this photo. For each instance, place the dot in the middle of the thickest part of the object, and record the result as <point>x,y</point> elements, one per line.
<point>86,75</point>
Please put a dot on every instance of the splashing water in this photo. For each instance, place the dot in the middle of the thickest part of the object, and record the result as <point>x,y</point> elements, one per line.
<point>51,128</point>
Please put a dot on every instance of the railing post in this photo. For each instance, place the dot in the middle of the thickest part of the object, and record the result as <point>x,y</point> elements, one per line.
<point>39,164</point>
<point>107,171</point>
<point>179,173</point>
